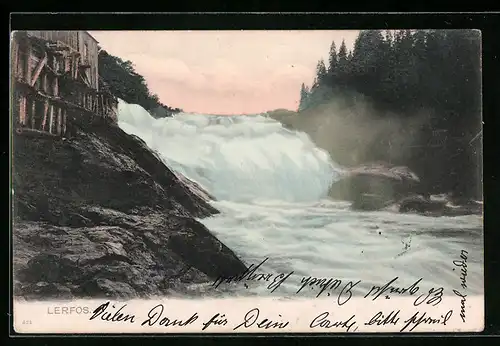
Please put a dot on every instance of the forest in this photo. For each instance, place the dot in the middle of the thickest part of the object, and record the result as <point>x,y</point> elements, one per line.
<point>405,73</point>
<point>120,78</point>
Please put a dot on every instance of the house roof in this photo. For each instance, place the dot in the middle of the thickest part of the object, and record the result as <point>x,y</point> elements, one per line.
<point>92,37</point>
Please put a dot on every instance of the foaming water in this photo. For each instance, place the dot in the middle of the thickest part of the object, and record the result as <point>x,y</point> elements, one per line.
<point>237,158</point>
<point>327,239</point>
<point>271,186</point>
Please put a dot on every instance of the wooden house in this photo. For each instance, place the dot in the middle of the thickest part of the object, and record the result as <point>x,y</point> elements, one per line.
<point>55,81</point>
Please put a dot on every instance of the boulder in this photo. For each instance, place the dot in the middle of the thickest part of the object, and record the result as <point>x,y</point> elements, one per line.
<point>379,183</point>
<point>422,205</point>
<point>438,206</point>
<point>469,208</point>
<point>379,186</point>
<point>368,202</point>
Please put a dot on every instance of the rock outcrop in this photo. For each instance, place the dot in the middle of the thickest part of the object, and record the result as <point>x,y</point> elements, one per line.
<point>99,215</point>
<point>195,187</point>
<point>430,206</point>
<point>379,182</point>
<point>382,186</point>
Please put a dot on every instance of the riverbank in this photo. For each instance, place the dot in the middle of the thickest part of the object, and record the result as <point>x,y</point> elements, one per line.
<point>100,215</point>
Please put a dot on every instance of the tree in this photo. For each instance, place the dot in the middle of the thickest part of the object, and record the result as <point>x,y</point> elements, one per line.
<point>304,95</point>
<point>332,63</point>
<point>405,72</point>
<point>366,64</point>
<point>319,94</point>
<point>321,73</point>
<point>121,79</point>
<point>342,66</point>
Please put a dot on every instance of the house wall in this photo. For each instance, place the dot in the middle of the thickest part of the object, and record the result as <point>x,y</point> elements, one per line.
<point>89,56</point>
<point>39,105</point>
<point>68,37</point>
<point>77,40</point>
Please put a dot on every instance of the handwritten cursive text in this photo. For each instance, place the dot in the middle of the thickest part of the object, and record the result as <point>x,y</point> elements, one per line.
<point>154,317</point>
<point>419,318</point>
<point>118,316</point>
<point>252,317</point>
<point>250,274</point>
<point>389,288</point>
<point>322,321</point>
<point>462,264</point>
<point>381,320</point>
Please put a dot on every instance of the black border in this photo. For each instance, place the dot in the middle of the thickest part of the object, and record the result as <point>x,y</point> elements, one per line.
<point>252,21</point>
<point>488,23</point>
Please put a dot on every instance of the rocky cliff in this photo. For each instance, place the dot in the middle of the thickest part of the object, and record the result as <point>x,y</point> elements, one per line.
<point>100,215</point>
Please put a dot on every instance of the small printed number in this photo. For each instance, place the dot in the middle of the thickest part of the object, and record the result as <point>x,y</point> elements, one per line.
<point>26,321</point>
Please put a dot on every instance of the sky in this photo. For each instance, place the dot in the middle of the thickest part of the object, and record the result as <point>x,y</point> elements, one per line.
<point>225,72</point>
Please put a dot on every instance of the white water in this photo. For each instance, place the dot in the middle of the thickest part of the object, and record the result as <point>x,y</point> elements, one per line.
<point>271,186</point>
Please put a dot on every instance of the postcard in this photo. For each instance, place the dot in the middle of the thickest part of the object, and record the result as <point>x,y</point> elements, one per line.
<point>308,181</point>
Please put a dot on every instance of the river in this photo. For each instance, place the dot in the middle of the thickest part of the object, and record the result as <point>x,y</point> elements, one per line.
<point>271,187</point>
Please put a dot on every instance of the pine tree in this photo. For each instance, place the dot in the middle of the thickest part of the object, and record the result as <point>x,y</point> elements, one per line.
<point>405,72</point>
<point>342,56</point>
<point>304,95</point>
<point>332,63</point>
<point>342,66</point>
<point>321,73</point>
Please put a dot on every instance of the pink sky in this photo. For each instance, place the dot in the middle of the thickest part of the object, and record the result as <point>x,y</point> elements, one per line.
<point>225,72</point>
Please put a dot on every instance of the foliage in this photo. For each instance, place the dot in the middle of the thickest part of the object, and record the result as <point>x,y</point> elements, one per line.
<point>121,79</point>
<point>407,72</point>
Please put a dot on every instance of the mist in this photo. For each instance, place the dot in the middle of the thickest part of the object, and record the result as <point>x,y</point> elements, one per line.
<point>354,132</point>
